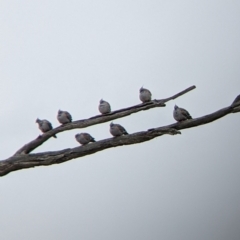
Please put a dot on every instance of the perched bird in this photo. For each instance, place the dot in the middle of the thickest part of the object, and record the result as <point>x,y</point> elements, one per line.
<point>44,125</point>
<point>180,114</point>
<point>104,107</point>
<point>145,95</point>
<point>64,117</point>
<point>117,130</point>
<point>84,138</point>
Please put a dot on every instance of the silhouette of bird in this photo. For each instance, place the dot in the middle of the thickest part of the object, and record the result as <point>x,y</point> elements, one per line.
<point>64,117</point>
<point>145,95</point>
<point>84,138</point>
<point>180,114</point>
<point>45,126</point>
<point>104,107</point>
<point>117,130</point>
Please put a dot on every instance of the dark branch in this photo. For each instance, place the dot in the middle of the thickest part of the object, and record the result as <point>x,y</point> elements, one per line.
<point>27,148</point>
<point>18,162</point>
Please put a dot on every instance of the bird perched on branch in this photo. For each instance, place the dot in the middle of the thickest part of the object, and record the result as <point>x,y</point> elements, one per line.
<point>145,95</point>
<point>64,117</point>
<point>180,114</point>
<point>117,130</point>
<point>104,107</point>
<point>84,138</point>
<point>45,126</point>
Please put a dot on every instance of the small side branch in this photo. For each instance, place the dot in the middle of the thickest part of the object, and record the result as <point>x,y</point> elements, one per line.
<point>29,147</point>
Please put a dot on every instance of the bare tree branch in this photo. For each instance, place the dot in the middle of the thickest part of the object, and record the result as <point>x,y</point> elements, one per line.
<point>18,162</point>
<point>27,148</point>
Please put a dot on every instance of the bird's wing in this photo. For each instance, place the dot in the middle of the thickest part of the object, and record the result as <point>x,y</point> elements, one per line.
<point>122,129</point>
<point>149,92</point>
<point>185,113</point>
<point>88,137</point>
<point>49,124</point>
<point>68,115</point>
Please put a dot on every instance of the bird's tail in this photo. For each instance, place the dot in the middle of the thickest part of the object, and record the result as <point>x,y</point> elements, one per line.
<point>54,136</point>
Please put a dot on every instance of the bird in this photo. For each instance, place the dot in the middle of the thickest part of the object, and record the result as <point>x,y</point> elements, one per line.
<point>117,130</point>
<point>45,126</point>
<point>84,138</point>
<point>104,107</point>
<point>64,117</point>
<point>180,114</point>
<point>145,95</point>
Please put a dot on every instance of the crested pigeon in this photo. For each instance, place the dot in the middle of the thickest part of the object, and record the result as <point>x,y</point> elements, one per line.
<point>104,107</point>
<point>180,114</point>
<point>44,125</point>
<point>84,138</point>
<point>145,95</point>
<point>64,117</point>
<point>117,130</point>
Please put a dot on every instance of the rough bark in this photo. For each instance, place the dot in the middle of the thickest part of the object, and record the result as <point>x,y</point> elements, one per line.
<point>22,161</point>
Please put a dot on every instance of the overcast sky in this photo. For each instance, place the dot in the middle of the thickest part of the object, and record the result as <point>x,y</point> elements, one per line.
<point>68,55</point>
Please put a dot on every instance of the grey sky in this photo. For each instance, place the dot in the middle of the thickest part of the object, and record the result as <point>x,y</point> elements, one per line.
<point>68,55</point>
